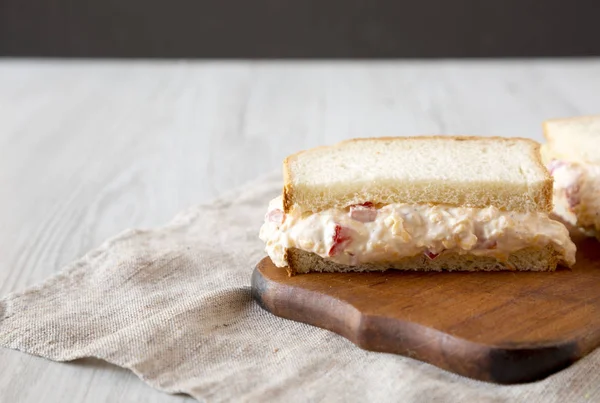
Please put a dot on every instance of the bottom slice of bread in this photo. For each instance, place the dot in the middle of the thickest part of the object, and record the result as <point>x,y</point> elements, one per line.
<point>528,259</point>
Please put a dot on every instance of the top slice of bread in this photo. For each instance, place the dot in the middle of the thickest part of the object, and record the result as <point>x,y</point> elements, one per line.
<point>461,171</point>
<point>574,139</point>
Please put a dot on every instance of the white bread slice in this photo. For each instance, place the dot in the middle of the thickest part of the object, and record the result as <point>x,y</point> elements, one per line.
<point>462,171</point>
<point>528,259</point>
<point>574,139</point>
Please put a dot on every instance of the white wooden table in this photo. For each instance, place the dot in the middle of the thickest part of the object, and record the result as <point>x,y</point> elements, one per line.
<point>88,149</point>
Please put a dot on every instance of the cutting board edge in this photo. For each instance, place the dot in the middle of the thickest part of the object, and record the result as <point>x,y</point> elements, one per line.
<point>502,364</point>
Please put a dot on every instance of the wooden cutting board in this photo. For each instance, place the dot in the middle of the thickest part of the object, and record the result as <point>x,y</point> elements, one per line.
<point>502,327</point>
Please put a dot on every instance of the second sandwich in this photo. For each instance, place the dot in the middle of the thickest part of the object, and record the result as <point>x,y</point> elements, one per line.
<point>572,154</point>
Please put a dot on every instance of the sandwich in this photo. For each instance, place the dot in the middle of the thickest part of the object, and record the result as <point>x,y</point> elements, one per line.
<point>572,155</point>
<point>416,203</point>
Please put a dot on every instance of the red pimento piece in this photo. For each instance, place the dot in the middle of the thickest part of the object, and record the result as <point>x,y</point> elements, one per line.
<point>275,216</point>
<point>364,212</point>
<point>487,245</point>
<point>572,195</point>
<point>341,238</point>
<point>431,255</point>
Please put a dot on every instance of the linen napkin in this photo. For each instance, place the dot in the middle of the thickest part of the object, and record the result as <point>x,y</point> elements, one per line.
<point>173,305</point>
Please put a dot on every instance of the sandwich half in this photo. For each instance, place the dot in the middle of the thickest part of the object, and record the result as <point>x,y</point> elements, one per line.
<point>572,155</point>
<point>416,203</point>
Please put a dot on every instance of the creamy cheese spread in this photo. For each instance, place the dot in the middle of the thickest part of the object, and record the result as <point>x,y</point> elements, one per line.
<point>577,193</point>
<point>365,233</point>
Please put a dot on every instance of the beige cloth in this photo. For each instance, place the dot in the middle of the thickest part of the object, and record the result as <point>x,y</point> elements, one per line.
<point>173,305</point>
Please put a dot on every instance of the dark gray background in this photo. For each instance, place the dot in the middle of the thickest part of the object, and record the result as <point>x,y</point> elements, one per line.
<point>299,28</point>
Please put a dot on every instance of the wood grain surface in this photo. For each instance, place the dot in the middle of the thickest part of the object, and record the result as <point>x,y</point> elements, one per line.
<point>503,327</point>
<point>88,149</point>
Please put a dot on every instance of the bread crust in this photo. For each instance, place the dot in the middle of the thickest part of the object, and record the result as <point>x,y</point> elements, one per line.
<point>547,259</point>
<point>546,191</point>
<point>287,195</point>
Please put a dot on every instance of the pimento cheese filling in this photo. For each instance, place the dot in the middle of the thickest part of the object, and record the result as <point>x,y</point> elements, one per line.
<point>367,234</point>
<point>577,193</point>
